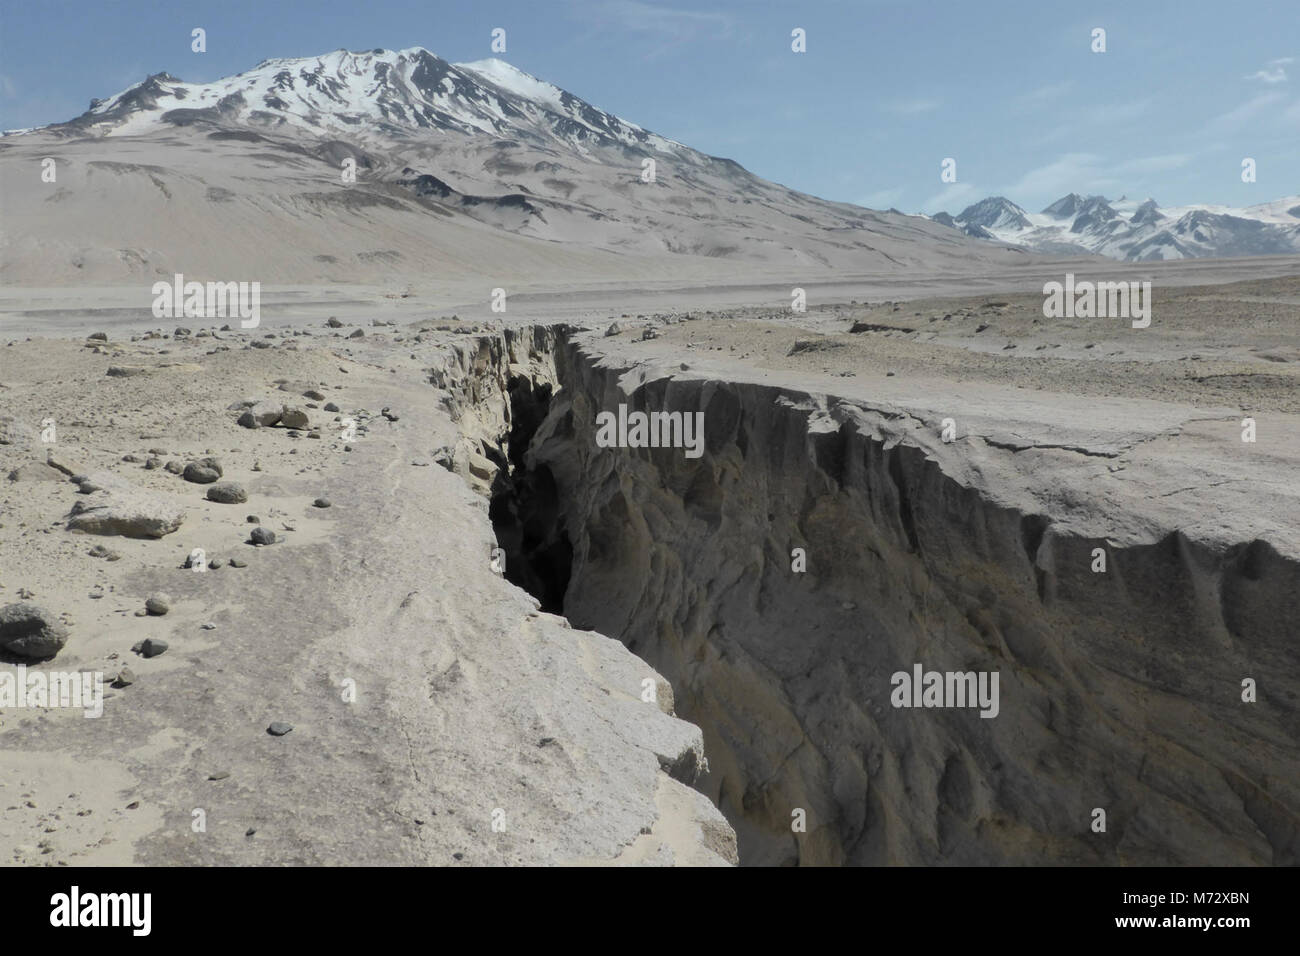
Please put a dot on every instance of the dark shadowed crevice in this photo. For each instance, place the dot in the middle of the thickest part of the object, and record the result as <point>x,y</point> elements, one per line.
<point>525,506</point>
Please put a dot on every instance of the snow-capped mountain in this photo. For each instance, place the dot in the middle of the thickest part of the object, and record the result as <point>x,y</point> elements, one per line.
<point>1136,231</point>
<point>375,94</point>
<point>437,148</point>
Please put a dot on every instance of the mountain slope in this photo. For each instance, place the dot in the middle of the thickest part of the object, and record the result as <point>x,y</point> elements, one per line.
<point>461,169</point>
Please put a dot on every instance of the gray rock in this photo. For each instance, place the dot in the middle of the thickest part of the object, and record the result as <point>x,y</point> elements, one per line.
<point>150,647</point>
<point>261,535</point>
<point>331,407</point>
<point>126,371</point>
<point>153,464</point>
<point>358,333</point>
<point>203,471</point>
<point>31,631</point>
<point>174,467</point>
<point>227,493</point>
<point>128,512</point>
<point>314,395</point>
<point>125,678</point>
<point>293,417</point>
<point>321,503</point>
<point>238,563</point>
<point>333,323</point>
<point>158,604</point>
<point>248,420</point>
<point>279,728</point>
<point>36,471</point>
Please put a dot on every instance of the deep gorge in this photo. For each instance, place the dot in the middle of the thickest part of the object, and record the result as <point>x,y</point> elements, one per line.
<point>1118,691</point>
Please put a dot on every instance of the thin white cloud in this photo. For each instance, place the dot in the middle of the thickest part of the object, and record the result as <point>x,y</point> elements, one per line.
<point>1274,71</point>
<point>641,17</point>
<point>1044,94</point>
<point>1152,164</point>
<point>881,198</point>
<point>953,198</point>
<point>1120,112</point>
<point>1239,116</point>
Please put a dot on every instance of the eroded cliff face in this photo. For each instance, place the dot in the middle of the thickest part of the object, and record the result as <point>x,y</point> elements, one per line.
<point>1119,690</point>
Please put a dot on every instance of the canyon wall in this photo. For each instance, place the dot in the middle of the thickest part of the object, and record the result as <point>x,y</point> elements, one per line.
<point>1119,690</point>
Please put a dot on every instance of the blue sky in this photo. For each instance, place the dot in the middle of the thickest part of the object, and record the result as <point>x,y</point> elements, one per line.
<point>886,90</point>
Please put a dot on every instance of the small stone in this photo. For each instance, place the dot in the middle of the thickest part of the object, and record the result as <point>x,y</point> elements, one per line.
<point>279,728</point>
<point>158,604</point>
<point>248,420</point>
<point>321,503</point>
<point>314,395</point>
<point>153,464</point>
<point>208,626</point>
<point>238,563</point>
<point>99,551</point>
<point>215,563</point>
<point>174,467</point>
<point>219,775</point>
<point>125,678</point>
<point>358,333</point>
<point>262,536</point>
<point>253,519</point>
<point>331,407</point>
<point>333,323</point>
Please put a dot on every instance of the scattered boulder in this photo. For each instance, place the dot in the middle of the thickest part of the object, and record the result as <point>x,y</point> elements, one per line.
<point>128,512</point>
<point>238,563</point>
<point>321,503</point>
<point>227,493</point>
<point>174,467</point>
<point>125,678</point>
<point>331,407</point>
<point>294,417</point>
<point>279,728</point>
<point>31,631</point>
<point>153,464</point>
<point>314,395</point>
<point>158,604</point>
<point>333,323</point>
<point>262,536</point>
<point>614,329</point>
<point>203,471</point>
<point>357,333</point>
<point>150,647</point>
<point>36,471</point>
<point>126,371</point>
<point>98,336</point>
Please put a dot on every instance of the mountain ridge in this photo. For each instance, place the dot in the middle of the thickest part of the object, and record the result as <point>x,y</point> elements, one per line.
<point>1133,231</point>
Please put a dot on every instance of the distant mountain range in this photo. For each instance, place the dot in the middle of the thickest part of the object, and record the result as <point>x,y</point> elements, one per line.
<point>1132,230</point>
